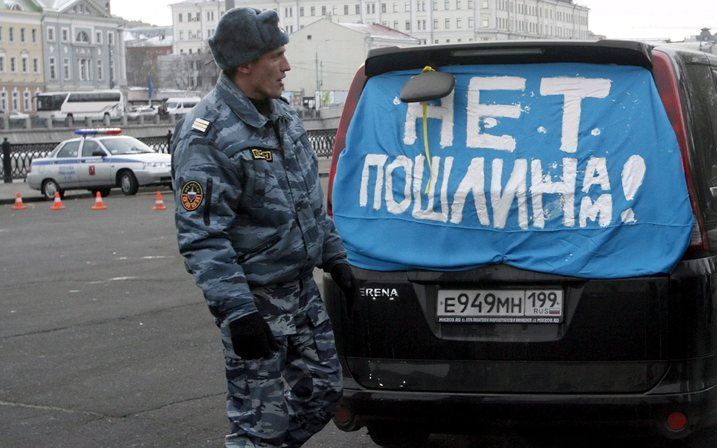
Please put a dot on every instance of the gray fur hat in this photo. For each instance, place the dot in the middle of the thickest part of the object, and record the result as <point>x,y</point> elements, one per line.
<point>245,34</point>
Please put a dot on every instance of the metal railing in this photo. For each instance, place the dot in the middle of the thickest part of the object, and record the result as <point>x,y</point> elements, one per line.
<point>21,155</point>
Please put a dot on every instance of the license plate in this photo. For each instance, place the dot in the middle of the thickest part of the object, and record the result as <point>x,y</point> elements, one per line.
<point>532,306</point>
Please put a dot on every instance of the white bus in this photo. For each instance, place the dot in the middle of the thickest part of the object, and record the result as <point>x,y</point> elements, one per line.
<point>71,106</point>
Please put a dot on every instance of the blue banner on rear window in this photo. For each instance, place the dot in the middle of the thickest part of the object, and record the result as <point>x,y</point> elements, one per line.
<point>571,169</point>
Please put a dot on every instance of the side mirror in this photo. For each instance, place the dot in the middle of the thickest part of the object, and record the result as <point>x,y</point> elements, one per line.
<point>98,153</point>
<point>427,86</point>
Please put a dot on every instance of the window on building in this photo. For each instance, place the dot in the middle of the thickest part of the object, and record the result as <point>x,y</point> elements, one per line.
<point>179,17</point>
<point>66,68</point>
<point>470,4</point>
<point>447,5</point>
<point>395,24</point>
<point>470,22</point>
<point>485,23</point>
<point>459,23</point>
<point>181,35</point>
<point>383,7</point>
<point>197,17</point>
<point>33,34</point>
<point>15,100</point>
<point>99,70</point>
<point>83,69</point>
<point>395,7</point>
<point>2,63</point>
<point>3,100</point>
<point>358,9</point>
<point>53,74</point>
<point>458,4</point>
<point>301,11</point>
<point>407,6</point>
<point>435,24</point>
<point>82,37</point>
<point>190,51</point>
<point>12,65</point>
<point>35,65</point>
<point>313,11</point>
<point>0,34</point>
<point>51,34</point>
<point>24,64</point>
<point>26,100</point>
<point>408,25</point>
<point>323,10</point>
<point>22,34</point>
<point>346,10</point>
<point>447,25</point>
<point>11,36</point>
<point>111,38</point>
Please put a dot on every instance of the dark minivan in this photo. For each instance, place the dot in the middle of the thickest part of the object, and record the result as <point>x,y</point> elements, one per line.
<point>635,352</point>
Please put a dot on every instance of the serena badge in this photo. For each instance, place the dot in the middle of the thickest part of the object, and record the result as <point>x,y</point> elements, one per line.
<point>192,195</point>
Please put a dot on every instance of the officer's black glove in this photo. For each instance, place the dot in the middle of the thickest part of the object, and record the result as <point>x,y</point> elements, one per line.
<point>252,337</point>
<point>342,274</point>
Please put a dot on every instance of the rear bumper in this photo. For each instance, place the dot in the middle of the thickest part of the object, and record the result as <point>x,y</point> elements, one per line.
<point>641,414</point>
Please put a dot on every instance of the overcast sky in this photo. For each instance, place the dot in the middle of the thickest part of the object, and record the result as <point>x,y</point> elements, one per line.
<point>613,18</point>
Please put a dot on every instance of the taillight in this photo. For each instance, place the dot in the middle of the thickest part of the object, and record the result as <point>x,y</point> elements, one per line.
<point>666,81</point>
<point>340,141</point>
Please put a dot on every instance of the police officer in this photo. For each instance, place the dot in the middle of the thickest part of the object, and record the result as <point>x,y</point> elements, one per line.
<point>252,228</point>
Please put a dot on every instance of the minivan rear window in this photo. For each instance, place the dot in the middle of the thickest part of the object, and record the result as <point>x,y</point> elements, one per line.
<point>554,167</point>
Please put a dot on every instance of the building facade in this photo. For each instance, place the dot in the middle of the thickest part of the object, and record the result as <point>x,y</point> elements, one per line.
<point>315,70</point>
<point>194,22</point>
<point>83,46</point>
<point>143,47</point>
<point>443,21</point>
<point>21,64</point>
<point>429,21</point>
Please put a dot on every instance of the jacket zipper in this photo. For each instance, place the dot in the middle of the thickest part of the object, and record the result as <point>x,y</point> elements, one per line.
<point>207,208</point>
<point>261,247</point>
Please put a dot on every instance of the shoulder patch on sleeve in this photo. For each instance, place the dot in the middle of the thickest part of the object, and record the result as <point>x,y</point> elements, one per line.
<point>201,125</point>
<point>192,195</point>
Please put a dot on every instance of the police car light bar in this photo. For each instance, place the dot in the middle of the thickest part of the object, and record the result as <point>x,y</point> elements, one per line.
<point>98,131</point>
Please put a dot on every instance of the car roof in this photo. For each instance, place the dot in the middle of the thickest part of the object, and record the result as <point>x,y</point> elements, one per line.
<point>382,60</point>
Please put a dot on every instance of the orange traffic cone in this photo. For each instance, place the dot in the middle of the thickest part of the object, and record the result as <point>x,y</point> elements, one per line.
<point>99,204</point>
<point>18,203</point>
<point>57,205</point>
<point>159,202</point>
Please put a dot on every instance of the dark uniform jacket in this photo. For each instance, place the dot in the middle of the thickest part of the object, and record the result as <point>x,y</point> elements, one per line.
<point>249,205</point>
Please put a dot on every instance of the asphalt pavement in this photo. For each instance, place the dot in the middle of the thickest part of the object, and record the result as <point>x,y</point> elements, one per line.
<point>105,341</point>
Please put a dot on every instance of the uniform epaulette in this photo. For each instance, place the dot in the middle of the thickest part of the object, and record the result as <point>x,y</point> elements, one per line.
<point>201,125</point>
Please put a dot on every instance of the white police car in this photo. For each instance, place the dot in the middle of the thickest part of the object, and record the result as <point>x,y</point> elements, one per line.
<point>97,161</point>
